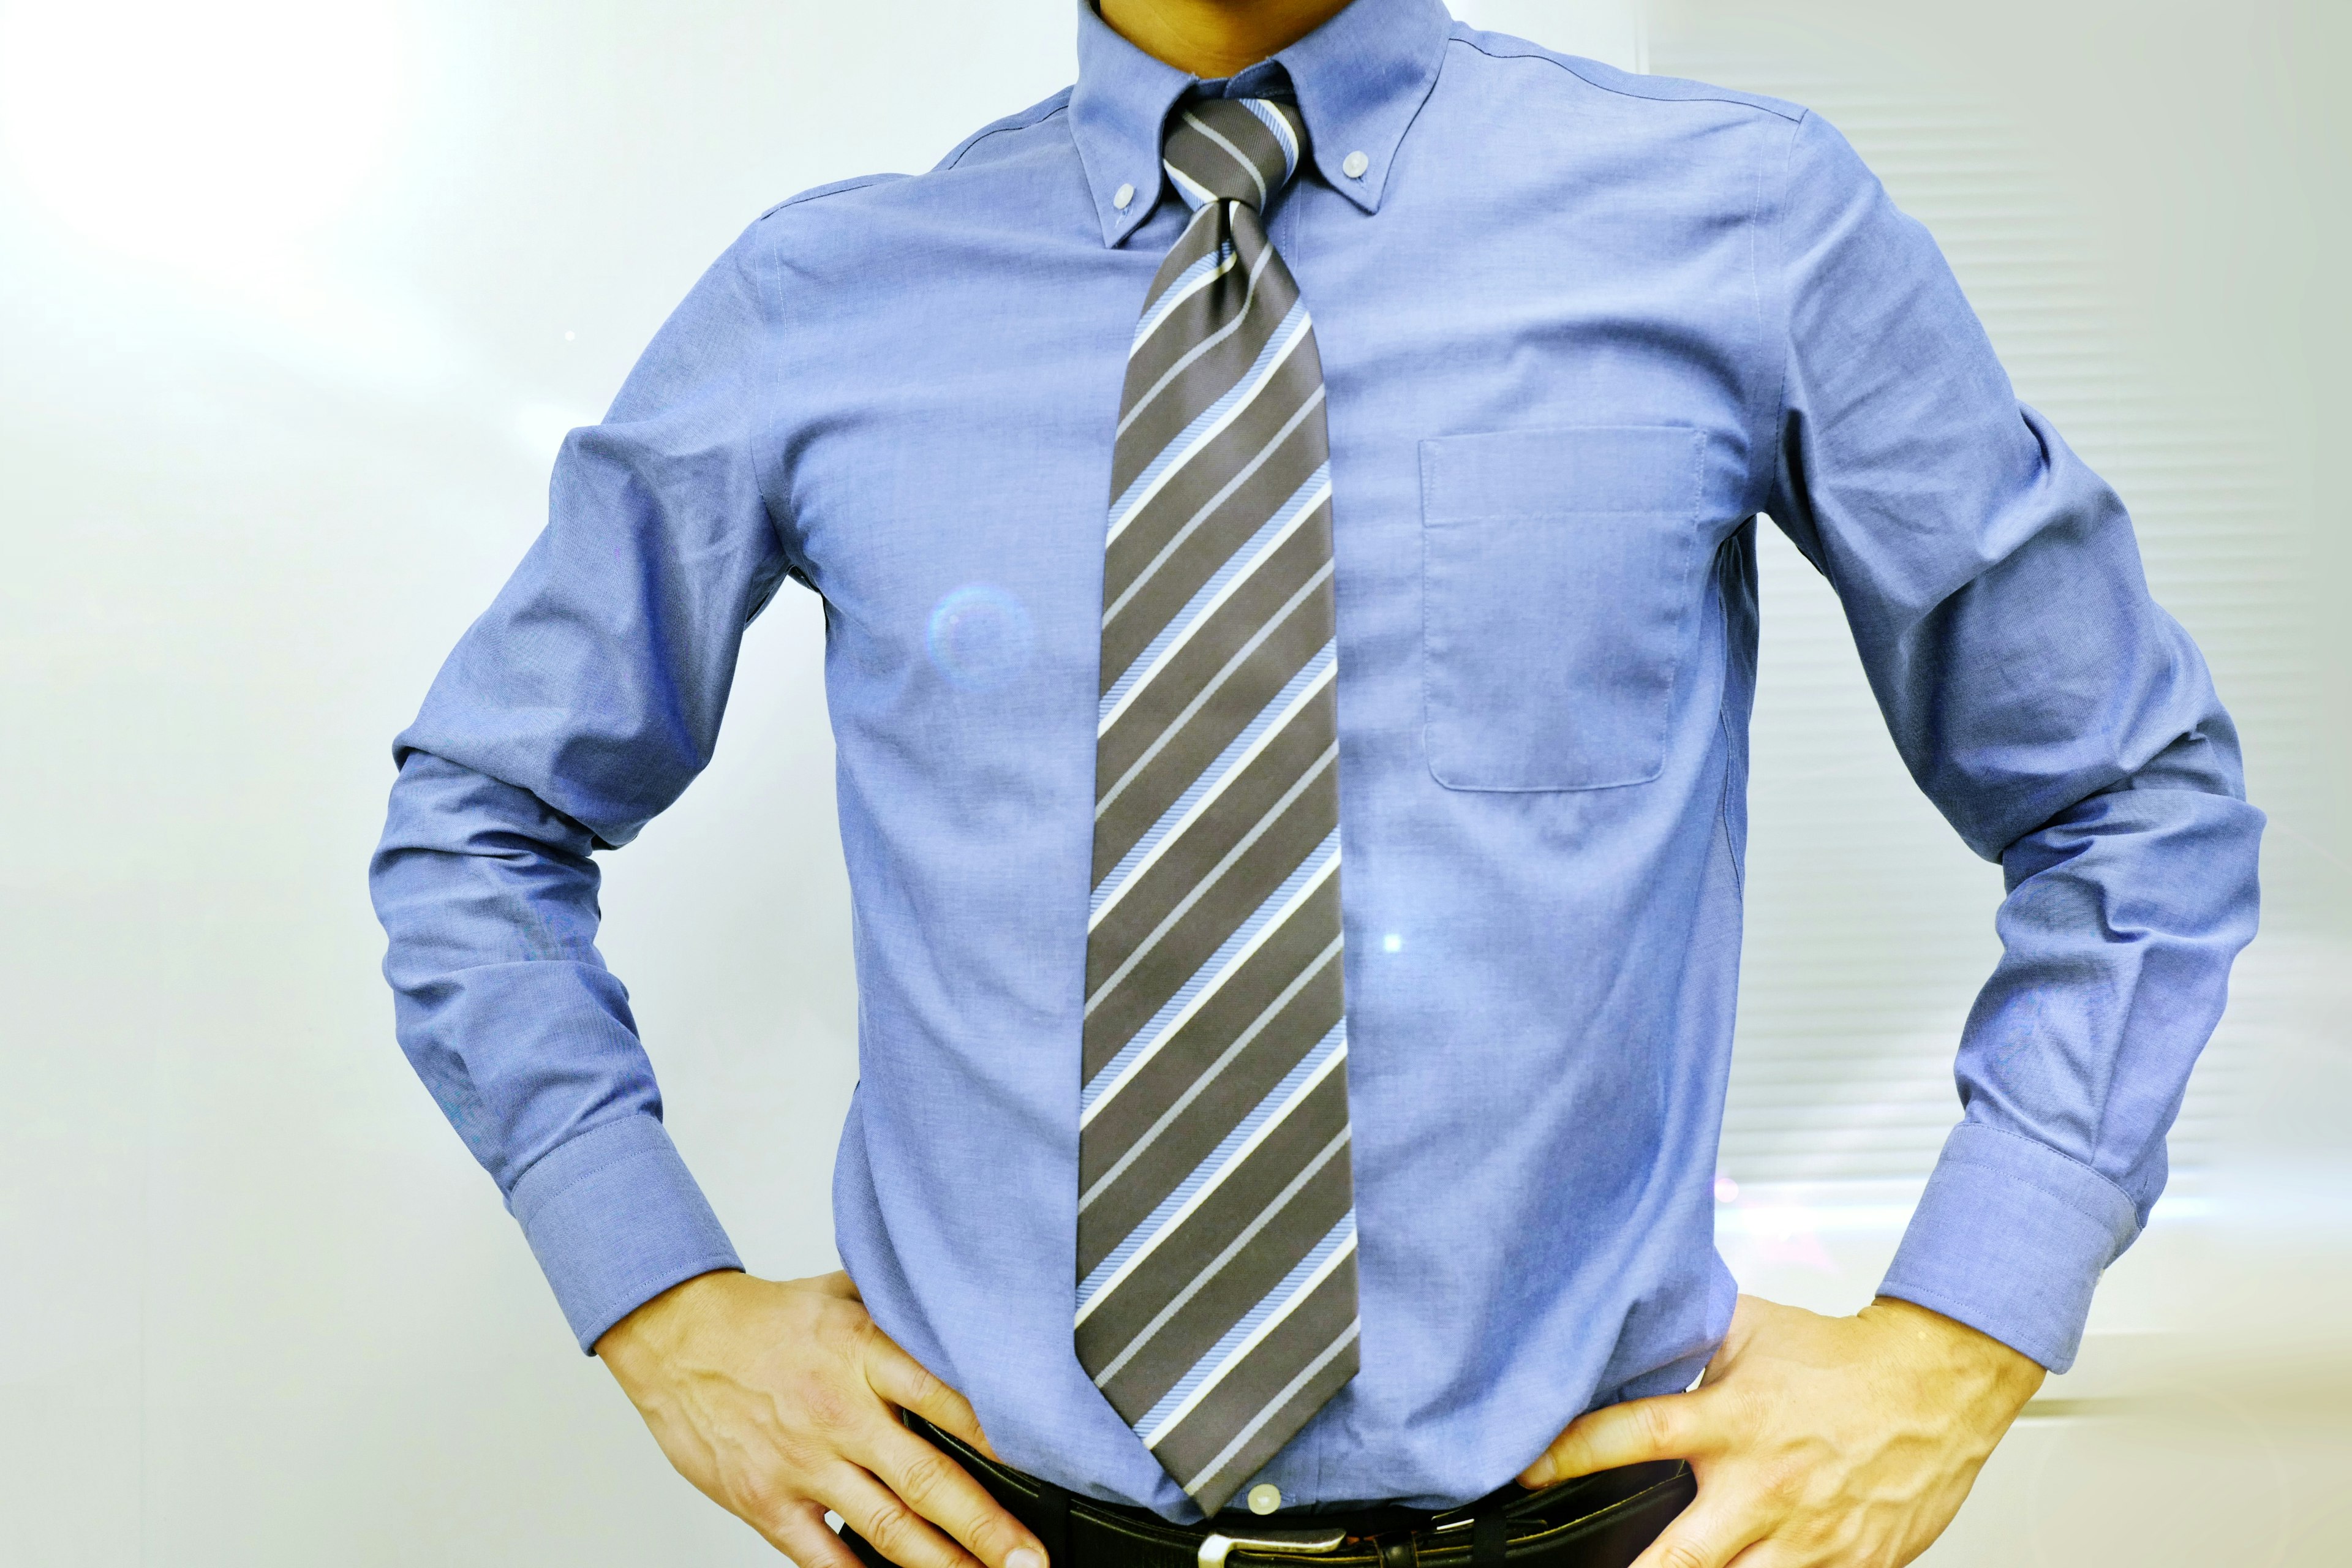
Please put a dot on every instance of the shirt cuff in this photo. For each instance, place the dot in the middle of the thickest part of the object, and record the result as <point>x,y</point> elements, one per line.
<point>616,1219</point>
<point>2009,1238</point>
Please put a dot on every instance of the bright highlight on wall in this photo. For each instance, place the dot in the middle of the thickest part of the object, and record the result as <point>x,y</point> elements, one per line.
<point>218,138</point>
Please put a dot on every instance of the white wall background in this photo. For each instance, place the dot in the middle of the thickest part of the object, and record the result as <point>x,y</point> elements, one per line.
<point>294,302</point>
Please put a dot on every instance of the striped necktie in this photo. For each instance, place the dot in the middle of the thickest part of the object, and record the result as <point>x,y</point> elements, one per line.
<point>1216,1300</point>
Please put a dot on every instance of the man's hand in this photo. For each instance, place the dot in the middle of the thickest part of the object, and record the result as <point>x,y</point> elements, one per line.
<point>776,1399</point>
<point>1836,1442</point>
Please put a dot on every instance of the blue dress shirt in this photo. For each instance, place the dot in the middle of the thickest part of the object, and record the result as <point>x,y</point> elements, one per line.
<point>1578,330</point>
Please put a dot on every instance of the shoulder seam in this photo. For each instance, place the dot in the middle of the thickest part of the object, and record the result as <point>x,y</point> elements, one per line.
<point>860,182</point>
<point>836,188</point>
<point>1792,112</point>
<point>977,137</point>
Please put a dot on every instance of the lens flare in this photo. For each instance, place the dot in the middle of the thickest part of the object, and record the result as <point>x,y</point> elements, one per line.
<point>981,636</point>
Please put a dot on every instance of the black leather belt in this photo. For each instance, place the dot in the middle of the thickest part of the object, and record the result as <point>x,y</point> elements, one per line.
<point>1594,1521</point>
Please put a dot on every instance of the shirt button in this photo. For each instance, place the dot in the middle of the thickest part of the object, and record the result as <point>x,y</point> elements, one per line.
<point>1265,1498</point>
<point>1354,164</point>
<point>1121,196</point>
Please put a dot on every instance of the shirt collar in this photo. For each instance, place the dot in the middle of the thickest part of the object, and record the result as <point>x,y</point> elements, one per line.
<point>1359,79</point>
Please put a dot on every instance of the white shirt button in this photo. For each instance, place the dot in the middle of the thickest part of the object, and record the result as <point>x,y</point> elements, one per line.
<point>1265,1498</point>
<point>1354,164</point>
<point>1121,196</point>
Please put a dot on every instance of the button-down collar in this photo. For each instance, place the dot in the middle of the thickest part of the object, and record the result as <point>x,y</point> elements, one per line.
<point>1359,79</point>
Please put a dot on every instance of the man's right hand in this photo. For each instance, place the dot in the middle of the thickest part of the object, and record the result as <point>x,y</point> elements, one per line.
<point>779,1400</point>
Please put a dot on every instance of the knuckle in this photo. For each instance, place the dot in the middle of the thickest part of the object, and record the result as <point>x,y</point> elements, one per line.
<point>892,1530</point>
<point>1658,1427</point>
<point>797,1454</point>
<point>924,1477</point>
<point>1681,1553</point>
<point>759,1500</point>
<point>923,1385</point>
<point>1824,1535</point>
<point>827,1407</point>
<point>995,1536</point>
<point>791,1516</point>
<point>866,1340</point>
<point>1783,1481</point>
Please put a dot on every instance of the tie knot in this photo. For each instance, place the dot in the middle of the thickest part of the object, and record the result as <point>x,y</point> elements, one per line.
<point>1234,149</point>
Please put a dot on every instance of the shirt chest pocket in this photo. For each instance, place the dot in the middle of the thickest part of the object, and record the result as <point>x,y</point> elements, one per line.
<point>1560,572</point>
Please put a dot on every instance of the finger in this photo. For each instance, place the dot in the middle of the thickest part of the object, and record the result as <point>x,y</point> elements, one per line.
<point>800,1532</point>
<point>889,1524</point>
<point>943,1492</point>
<point>908,1384</point>
<point>1671,1426</point>
<point>1703,1537</point>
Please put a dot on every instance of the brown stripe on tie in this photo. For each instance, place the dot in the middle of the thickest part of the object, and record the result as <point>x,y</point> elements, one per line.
<point>1155,961</point>
<point>1244,1071</point>
<point>1174,1344</point>
<point>1248,797</point>
<point>1211,311</point>
<point>1327,1319</point>
<point>1210,635</point>
<point>1189,1251</point>
<point>1169,728</point>
<point>1196,242</point>
<point>1168,402</point>
<point>1174,562</point>
<point>1200,467</point>
<point>1289,944</point>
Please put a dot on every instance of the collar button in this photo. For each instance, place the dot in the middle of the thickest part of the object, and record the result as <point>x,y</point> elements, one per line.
<point>1121,198</point>
<point>1354,164</point>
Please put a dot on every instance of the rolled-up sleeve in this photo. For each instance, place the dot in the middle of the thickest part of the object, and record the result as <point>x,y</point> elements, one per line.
<point>2064,723</point>
<point>579,706</point>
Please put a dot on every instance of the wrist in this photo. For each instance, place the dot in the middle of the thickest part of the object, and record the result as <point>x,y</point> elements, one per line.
<point>659,1324</point>
<point>2005,1377</point>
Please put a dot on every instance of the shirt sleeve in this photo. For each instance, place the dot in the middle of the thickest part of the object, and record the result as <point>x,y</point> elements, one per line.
<point>579,706</point>
<point>2062,724</point>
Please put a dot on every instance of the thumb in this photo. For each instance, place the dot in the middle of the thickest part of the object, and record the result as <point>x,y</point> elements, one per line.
<point>1671,1426</point>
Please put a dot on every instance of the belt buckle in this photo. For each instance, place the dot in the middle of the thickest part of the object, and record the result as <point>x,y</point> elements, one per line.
<point>1297,1542</point>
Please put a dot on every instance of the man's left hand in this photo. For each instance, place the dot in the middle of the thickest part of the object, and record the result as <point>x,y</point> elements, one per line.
<point>1817,1442</point>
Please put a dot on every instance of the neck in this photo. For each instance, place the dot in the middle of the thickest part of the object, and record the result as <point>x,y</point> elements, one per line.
<point>1216,37</point>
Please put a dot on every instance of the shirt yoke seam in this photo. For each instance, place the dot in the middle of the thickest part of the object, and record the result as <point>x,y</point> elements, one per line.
<point>818,193</point>
<point>957,157</point>
<point>859,182</point>
<point>1721,95</point>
